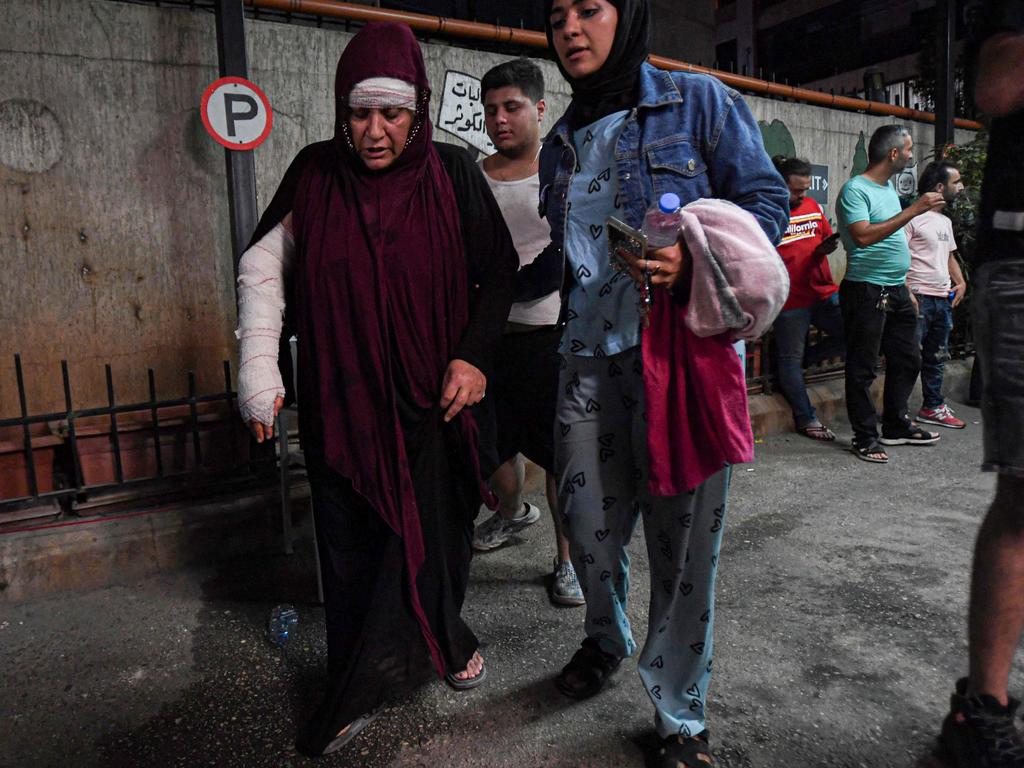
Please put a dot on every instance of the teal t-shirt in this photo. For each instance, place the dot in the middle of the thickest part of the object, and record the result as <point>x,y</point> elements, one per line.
<point>887,261</point>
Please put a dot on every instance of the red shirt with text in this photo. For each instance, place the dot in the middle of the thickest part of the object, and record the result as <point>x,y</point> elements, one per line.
<point>810,278</point>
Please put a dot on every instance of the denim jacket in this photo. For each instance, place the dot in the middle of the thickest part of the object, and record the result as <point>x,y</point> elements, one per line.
<point>689,134</point>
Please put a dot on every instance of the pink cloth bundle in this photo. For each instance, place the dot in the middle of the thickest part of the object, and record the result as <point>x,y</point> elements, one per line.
<point>739,280</point>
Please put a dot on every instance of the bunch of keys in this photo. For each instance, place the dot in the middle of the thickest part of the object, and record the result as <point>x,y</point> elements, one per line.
<point>883,301</point>
<point>646,300</point>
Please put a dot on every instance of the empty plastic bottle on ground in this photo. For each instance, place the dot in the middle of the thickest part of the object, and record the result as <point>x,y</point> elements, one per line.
<point>282,619</point>
<point>663,221</point>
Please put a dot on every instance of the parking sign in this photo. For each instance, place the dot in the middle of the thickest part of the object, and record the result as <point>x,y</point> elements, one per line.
<point>236,113</point>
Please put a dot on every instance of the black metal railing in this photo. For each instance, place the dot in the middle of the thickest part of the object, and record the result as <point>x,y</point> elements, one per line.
<point>762,375</point>
<point>83,451</point>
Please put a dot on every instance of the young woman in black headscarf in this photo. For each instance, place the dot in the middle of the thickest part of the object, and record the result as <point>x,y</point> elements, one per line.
<point>650,416</point>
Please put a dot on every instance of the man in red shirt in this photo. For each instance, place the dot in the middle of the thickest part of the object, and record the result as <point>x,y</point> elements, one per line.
<point>813,297</point>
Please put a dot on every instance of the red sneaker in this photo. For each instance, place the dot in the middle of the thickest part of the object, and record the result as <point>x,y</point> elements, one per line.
<point>941,416</point>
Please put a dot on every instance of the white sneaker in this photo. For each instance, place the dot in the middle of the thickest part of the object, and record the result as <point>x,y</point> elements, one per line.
<point>565,587</point>
<point>496,530</point>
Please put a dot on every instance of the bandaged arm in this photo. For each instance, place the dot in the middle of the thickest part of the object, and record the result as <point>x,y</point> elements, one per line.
<point>261,273</point>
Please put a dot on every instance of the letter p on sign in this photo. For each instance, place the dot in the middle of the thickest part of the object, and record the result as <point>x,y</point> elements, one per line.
<point>236,113</point>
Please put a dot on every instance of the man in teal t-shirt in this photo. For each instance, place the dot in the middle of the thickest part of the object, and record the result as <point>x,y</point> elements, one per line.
<point>879,312</point>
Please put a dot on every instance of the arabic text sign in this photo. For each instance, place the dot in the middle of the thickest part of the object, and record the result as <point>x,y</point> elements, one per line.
<point>236,113</point>
<point>462,111</point>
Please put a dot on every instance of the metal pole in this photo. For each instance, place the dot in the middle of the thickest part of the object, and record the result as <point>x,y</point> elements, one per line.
<point>241,166</point>
<point>945,54</point>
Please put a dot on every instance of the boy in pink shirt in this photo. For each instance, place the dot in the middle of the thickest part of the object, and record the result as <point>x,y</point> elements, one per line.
<point>937,285</point>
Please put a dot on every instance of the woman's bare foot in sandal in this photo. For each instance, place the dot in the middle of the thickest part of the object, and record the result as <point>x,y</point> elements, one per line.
<point>685,752</point>
<point>350,731</point>
<point>474,674</point>
<point>476,663</point>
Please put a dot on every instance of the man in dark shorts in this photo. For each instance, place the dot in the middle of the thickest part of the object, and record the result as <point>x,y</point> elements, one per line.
<point>979,731</point>
<point>525,378</point>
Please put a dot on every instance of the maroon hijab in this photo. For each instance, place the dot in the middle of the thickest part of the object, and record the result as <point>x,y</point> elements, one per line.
<point>381,294</point>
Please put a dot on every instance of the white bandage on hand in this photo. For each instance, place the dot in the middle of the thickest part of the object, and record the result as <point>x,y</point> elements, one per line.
<point>261,273</point>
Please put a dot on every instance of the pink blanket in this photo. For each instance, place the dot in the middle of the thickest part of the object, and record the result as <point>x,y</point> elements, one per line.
<point>739,280</point>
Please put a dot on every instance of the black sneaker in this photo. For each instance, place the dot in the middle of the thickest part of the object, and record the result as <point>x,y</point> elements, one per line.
<point>912,435</point>
<point>979,732</point>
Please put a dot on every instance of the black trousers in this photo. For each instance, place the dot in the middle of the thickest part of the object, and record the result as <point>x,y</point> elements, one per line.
<point>871,330</point>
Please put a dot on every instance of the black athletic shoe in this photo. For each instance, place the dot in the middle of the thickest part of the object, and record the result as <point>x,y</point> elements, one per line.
<point>979,732</point>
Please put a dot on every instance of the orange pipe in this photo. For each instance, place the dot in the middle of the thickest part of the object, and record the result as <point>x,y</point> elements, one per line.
<point>422,22</point>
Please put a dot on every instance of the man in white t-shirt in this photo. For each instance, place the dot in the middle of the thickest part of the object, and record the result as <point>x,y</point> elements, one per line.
<point>523,386</point>
<point>937,285</point>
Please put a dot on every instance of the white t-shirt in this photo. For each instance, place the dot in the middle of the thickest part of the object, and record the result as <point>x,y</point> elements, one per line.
<point>518,201</point>
<point>930,237</point>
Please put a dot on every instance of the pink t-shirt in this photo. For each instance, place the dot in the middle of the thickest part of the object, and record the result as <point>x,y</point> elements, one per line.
<point>930,237</point>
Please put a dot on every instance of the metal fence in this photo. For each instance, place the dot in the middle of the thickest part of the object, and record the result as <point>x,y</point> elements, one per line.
<point>760,357</point>
<point>67,459</point>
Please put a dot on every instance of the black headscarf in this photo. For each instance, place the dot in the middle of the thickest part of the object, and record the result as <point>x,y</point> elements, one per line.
<point>616,85</point>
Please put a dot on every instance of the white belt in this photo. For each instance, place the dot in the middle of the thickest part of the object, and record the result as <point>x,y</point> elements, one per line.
<point>1009,221</point>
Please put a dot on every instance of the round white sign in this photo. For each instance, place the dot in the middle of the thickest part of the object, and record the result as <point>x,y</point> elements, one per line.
<point>236,113</point>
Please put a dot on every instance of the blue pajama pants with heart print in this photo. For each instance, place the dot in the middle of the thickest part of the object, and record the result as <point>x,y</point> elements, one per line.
<point>601,462</point>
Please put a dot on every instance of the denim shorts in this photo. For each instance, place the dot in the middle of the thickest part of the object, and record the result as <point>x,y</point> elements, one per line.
<point>997,306</point>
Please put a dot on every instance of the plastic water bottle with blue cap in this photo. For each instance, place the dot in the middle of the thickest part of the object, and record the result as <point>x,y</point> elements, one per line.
<point>663,222</point>
<point>282,619</point>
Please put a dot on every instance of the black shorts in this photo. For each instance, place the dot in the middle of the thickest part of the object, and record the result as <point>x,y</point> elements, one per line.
<point>997,308</point>
<point>518,413</point>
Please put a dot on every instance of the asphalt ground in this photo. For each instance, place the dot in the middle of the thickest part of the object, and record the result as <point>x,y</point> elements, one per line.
<point>840,631</point>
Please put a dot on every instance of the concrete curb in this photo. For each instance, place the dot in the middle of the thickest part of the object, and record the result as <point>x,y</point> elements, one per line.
<point>89,553</point>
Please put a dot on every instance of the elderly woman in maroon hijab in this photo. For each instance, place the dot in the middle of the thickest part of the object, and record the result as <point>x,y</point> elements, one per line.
<point>397,268</point>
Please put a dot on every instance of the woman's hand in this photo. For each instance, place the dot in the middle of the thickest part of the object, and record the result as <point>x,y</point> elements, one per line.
<point>666,266</point>
<point>464,384</point>
<point>265,431</point>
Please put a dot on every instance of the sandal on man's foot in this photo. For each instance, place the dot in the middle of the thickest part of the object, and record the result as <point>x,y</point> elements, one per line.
<point>467,683</point>
<point>817,432</point>
<point>685,752</point>
<point>587,671</point>
<point>870,451</point>
<point>911,435</point>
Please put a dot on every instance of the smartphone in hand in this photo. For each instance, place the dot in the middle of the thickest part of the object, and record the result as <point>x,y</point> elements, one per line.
<point>828,244</point>
<point>622,237</point>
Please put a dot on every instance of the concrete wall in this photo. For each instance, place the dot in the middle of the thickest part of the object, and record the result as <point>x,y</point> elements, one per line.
<point>114,234</point>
